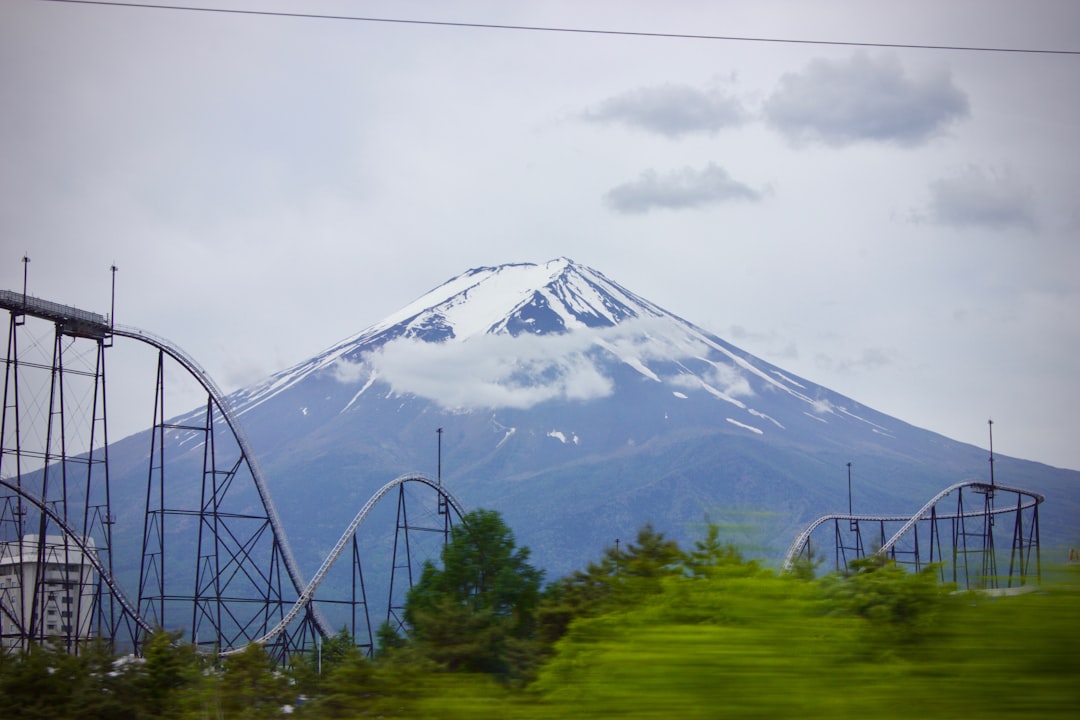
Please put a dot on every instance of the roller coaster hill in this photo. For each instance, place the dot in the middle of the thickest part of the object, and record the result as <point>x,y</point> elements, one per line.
<point>205,551</point>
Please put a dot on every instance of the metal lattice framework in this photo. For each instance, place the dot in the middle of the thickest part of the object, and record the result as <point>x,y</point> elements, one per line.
<point>954,530</point>
<point>234,580</point>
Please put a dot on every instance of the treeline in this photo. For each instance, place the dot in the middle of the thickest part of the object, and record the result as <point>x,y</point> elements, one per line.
<point>648,630</point>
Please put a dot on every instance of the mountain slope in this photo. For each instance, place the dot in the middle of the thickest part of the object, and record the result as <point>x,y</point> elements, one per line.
<point>581,410</point>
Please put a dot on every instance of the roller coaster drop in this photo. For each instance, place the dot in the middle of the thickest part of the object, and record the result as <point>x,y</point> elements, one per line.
<point>58,531</point>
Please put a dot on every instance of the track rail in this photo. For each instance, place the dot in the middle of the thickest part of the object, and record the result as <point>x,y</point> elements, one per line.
<point>87,551</point>
<point>1035,499</point>
<point>223,406</point>
<point>800,542</point>
<point>308,593</point>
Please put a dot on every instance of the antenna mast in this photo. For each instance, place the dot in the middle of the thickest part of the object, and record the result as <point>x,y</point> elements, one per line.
<point>112,307</point>
<point>990,423</point>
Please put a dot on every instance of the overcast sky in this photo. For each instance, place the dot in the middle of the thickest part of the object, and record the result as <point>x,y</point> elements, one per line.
<point>899,225</point>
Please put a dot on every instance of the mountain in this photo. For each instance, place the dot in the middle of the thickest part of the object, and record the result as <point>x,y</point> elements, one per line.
<point>581,411</point>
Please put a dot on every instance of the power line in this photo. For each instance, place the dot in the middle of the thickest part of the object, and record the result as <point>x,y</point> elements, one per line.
<point>555,29</point>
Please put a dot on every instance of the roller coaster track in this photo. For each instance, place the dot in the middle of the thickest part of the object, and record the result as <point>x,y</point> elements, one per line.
<point>1032,500</point>
<point>87,551</point>
<point>305,591</point>
<point>196,370</point>
<point>306,597</point>
<point>309,592</point>
<point>80,324</point>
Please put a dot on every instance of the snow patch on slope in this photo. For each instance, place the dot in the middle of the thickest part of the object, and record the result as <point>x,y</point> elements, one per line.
<point>561,437</point>
<point>751,428</point>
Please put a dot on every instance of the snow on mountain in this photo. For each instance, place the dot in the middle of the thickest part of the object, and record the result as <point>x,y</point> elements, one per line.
<point>581,411</point>
<point>518,335</point>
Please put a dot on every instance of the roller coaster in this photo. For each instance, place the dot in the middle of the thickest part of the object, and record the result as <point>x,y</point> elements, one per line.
<point>957,541</point>
<point>214,558</point>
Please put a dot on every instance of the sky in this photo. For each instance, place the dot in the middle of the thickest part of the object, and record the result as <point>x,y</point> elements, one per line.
<point>898,224</point>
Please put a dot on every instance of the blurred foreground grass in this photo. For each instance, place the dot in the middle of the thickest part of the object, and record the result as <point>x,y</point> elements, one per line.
<point>754,645</point>
<point>656,634</point>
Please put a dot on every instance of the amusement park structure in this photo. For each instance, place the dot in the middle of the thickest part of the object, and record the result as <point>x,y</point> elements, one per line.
<point>212,555</point>
<point>953,533</point>
<point>210,561</point>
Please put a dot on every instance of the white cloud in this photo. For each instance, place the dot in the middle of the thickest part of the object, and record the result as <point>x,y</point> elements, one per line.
<point>503,371</point>
<point>492,370</point>
<point>671,110</point>
<point>679,190</point>
<point>982,198</point>
<point>721,376</point>
<point>864,99</point>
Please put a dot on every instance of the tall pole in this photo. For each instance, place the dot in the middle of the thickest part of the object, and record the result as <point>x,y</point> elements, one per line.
<point>849,489</point>
<point>25,267</point>
<point>438,475</point>
<point>112,307</point>
<point>990,423</point>
<point>852,523</point>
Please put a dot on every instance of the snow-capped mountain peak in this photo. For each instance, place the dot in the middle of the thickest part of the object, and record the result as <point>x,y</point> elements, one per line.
<point>517,335</point>
<point>553,297</point>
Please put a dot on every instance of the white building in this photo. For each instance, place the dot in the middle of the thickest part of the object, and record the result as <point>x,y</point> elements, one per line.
<point>45,592</point>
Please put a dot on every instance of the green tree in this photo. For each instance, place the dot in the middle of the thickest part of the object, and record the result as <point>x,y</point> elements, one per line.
<point>310,670</point>
<point>710,555</point>
<point>477,612</point>
<point>169,670</point>
<point>251,686</point>
<point>651,556</point>
<point>620,578</point>
<point>898,604</point>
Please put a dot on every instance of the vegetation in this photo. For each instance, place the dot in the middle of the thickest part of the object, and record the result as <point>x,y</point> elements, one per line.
<point>647,631</point>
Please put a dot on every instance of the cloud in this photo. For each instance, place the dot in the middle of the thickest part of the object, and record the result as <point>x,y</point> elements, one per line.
<point>679,190</point>
<point>489,371</point>
<point>671,110</point>
<point>870,359</point>
<point>503,371</point>
<point>726,378</point>
<point>864,99</point>
<point>980,198</point>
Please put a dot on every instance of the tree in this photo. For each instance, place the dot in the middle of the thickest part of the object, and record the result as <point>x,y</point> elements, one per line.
<point>477,612</point>
<point>710,555</point>
<point>251,686</point>
<point>620,578</point>
<point>651,556</point>
<point>898,604</point>
<point>170,668</point>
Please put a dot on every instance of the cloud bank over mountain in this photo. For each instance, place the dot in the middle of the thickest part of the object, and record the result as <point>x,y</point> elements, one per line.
<point>506,371</point>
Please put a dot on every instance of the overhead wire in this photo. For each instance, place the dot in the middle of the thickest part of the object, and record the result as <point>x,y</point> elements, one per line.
<point>569,30</point>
